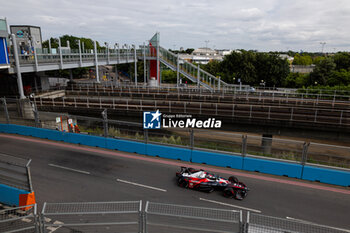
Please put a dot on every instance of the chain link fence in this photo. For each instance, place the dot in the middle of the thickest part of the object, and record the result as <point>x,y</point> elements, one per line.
<point>19,220</point>
<point>275,148</point>
<point>92,217</point>
<point>161,217</point>
<point>15,172</point>
<point>128,216</point>
<point>258,223</point>
<point>330,155</point>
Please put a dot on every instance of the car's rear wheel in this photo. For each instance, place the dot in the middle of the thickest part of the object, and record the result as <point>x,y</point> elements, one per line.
<point>233,179</point>
<point>190,169</point>
<point>183,183</point>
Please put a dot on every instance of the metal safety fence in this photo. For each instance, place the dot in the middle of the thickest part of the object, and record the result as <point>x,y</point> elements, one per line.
<point>92,217</point>
<point>15,172</point>
<point>267,224</point>
<point>160,217</point>
<point>269,113</point>
<point>131,216</point>
<point>236,92</point>
<point>19,219</point>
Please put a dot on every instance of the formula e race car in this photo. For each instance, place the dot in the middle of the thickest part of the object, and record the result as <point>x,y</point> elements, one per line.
<point>204,181</point>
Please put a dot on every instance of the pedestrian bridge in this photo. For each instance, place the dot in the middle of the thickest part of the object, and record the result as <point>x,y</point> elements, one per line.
<point>39,61</point>
<point>152,54</point>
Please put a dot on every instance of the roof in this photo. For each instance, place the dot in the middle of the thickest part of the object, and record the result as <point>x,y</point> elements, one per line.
<point>204,51</point>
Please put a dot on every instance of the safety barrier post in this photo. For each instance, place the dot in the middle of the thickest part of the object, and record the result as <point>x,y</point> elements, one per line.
<point>145,135</point>
<point>304,157</point>
<point>246,225</point>
<point>36,116</point>
<point>315,116</point>
<point>341,117</point>
<point>191,138</point>
<point>244,145</point>
<point>6,111</point>
<point>105,122</point>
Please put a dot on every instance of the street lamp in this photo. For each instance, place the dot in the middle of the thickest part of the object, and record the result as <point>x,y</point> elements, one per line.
<point>262,83</point>
<point>206,46</point>
<point>322,44</point>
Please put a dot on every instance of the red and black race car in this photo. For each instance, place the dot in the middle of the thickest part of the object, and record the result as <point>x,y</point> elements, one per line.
<point>204,181</point>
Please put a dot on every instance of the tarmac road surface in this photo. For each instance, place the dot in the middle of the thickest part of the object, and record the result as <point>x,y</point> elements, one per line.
<point>64,172</point>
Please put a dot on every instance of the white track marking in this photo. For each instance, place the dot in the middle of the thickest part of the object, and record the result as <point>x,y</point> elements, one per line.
<point>55,228</point>
<point>141,185</point>
<point>27,220</point>
<point>70,169</point>
<point>303,221</point>
<point>235,206</point>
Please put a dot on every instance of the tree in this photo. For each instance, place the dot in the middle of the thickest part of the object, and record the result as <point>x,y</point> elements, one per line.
<point>341,77</point>
<point>250,67</point>
<point>73,42</point>
<point>342,60</point>
<point>304,60</point>
<point>213,67</point>
<point>189,51</point>
<point>322,72</point>
<point>169,76</point>
<point>54,43</point>
<point>296,80</point>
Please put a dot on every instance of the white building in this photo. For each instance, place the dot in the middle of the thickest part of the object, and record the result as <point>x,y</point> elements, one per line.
<point>203,55</point>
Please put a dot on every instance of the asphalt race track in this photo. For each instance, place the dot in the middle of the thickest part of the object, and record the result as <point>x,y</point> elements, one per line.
<point>64,172</point>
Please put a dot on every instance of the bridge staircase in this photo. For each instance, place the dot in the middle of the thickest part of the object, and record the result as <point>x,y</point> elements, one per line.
<point>190,71</point>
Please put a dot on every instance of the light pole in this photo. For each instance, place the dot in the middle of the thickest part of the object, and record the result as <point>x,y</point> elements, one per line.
<point>206,46</point>
<point>322,44</point>
<point>262,83</point>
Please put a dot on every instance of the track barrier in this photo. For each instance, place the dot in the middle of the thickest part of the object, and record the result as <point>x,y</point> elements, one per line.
<point>152,217</point>
<point>280,167</point>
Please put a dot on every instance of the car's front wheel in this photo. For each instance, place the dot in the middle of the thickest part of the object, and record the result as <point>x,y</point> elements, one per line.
<point>229,192</point>
<point>240,194</point>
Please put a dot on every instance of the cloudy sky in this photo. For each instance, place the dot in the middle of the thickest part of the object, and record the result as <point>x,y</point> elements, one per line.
<point>264,25</point>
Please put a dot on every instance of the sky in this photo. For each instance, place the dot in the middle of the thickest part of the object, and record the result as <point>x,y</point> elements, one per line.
<point>263,25</point>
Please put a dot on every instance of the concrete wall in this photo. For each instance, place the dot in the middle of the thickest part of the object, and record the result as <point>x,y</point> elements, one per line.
<point>263,165</point>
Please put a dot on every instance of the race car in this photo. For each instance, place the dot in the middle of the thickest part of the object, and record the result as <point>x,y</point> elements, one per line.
<point>204,181</point>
